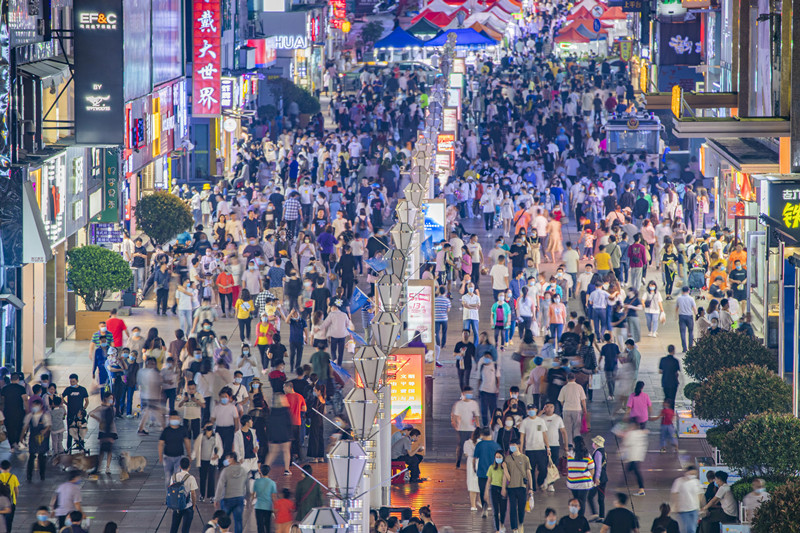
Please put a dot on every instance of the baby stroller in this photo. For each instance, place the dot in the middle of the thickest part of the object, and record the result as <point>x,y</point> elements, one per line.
<point>77,430</point>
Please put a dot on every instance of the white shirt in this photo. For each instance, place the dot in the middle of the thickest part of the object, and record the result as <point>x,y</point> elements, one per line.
<point>687,490</point>
<point>474,249</point>
<point>571,261</point>
<point>189,484</point>
<point>467,411</point>
<point>499,274</point>
<point>554,424</point>
<point>584,279</point>
<point>471,299</point>
<point>533,430</point>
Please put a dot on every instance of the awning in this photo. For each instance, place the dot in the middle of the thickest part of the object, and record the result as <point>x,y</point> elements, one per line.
<point>746,154</point>
<point>48,69</point>
<point>35,244</point>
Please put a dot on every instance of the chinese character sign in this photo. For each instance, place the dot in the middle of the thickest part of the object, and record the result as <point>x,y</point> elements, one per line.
<point>420,309</point>
<point>206,32</point>
<point>681,43</point>
<point>407,377</point>
<point>780,200</point>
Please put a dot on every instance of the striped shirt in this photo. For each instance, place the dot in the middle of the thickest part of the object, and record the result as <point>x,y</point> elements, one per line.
<point>579,473</point>
<point>441,306</point>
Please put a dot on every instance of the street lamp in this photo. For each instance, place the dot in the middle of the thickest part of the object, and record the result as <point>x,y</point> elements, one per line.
<point>405,211</point>
<point>362,406</point>
<point>347,460</point>
<point>396,262</point>
<point>386,327</point>
<point>325,520</point>
<point>402,235</point>
<point>390,290</point>
<point>415,194</point>
<point>370,362</point>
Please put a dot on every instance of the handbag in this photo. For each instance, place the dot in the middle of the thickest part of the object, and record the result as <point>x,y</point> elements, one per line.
<point>584,426</point>
<point>562,466</point>
<point>597,382</point>
<point>516,356</point>
<point>552,473</point>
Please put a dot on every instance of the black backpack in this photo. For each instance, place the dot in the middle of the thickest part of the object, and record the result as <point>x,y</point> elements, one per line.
<point>603,474</point>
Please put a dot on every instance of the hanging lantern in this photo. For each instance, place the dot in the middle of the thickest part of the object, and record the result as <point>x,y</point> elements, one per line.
<point>390,290</point>
<point>347,462</point>
<point>362,406</point>
<point>386,327</point>
<point>402,235</point>
<point>370,363</point>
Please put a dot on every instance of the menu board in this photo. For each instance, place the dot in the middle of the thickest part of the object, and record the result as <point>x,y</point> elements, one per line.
<point>106,234</point>
<point>407,378</point>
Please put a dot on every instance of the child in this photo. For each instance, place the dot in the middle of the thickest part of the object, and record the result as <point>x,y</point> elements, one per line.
<point>284,512</point>
<point>276,351</point>
<point>667,417</point>
<point>277,378</point>
<point>587,243</point>
<point>57,416</point>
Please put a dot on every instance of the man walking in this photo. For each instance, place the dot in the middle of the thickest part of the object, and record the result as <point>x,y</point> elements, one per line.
<point>686,498</point>
<point>670,369</point>
<point>533,435</point>
<point>620,519</point>
<point>464,418</point>
<point>189,483</point>
<point>686,309</point>
<point>637,257</point>
<point>573,405</point>
<point>232,487</point>
<point>172,444</point>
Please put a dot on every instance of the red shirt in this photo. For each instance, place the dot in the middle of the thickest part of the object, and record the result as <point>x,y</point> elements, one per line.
<point>297,404</point>
<point>284,511</point>
<point>116,326</point>
<point>667,415</point>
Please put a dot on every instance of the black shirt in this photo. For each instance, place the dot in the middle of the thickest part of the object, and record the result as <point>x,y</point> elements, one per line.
<point>278,352</point>
<point>621,520</point>
<point>138,262</point>
<point>669,367</point>
<point>739,290</point>
<point>609,352</point>
<point>74,397</point>
<point>173,441</point>
<point>12,398</point>
<point>518,260</point>
<point>48,528</point>
<point>635,302</point>
<point>669,524</point>
<point>469,354</point>
<point>320,296</point>
<point>578,524</point>
<point>543,529</point>
<point>250,227</point>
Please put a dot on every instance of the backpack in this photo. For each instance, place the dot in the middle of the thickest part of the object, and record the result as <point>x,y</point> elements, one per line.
<point>177,498</point>
<point>603,474</point>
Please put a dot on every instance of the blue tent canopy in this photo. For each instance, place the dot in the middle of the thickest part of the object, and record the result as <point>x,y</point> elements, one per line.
<point>399,38</point>
<point>465,38</point>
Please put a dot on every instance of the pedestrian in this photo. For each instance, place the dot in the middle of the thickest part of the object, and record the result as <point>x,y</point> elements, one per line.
<point>639,405</point>
<point>264,491</point>
<point>670,369</point>
<point>232,489</point>
<point>495,491</point>
<point>43,523</point>
<point>173,444</point>
<point>464,417</point>
<point>316,440</point>
<point>472,474</point>
<point>284,511</point>
<point>38,422</point>
<point>634,450</point>
<point>574,521</point>
<point>489,377</point>
<point>307,492</point>
<point>297,410</point>
<point>686,496</point>
<point>580,472</point>
<point>653,308</point>
<point>533,435</point>
<point>183,517</point>
<point>10,482</point>
<point>518,486</point>
<point>600,479</point>
<point>206,452</point>
<point>464,353</point>
<point>609,355</point>
<point>685,310</point>
<point>280,435</point>
<point>551,524</point>
<point>225,417</point>
<point>107,430</point>
<point>664,522</point>
<point>483,458</point>
<point>620,519</point>
<point>66,499</point>
<point>573,407</point>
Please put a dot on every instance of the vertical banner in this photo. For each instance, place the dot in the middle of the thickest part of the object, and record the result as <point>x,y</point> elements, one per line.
<point>99,99</point>
<point>419,307</point>
<point>206,34</point>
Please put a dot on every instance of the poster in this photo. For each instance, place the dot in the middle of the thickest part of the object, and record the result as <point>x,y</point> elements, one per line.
<point>733,477</point>
<point>419,307</point>
<point>435,225</point>
<point>693,428</point>
<point>450,120</point>
<point>680,43</point>
<point>407,378</point>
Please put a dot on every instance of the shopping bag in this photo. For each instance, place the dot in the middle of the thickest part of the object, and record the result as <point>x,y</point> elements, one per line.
<point>562,465</point>
<point>552,473</point>
<point>584,426</point>
<point>597,382</point>
<point>535,330</point>
<point>662,318</point>
<point>529,504</point>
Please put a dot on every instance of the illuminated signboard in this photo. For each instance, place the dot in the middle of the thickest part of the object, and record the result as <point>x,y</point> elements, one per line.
<point>98,66</point>
<point>450,120</point>
<point>435,223</point>
<point>677,96</point>
<point>460,65</point>
<point>446,143</point>
<point>442,162</point>
<point>643,66</point>
<point>407,378</point>
<point>780,200</point>
<point>226,91</point>
<point>419,307</point>
<point>454,99</point>
<point>206,58</point>
<point>266,53</point>
<point>456,80</point>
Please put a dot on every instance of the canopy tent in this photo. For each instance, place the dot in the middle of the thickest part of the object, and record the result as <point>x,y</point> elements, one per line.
<point>398,38</point>
<point>582,30</point>
<point>465,38</point>
<point>487,19</point>
<point>571,36</point>
<point>500,14</point>
<point>439,18</point>
<point>487,31</point>
<point>588,24</point>
<point>423,27</point>
<point>509,6</point>
<point>588,5</point>
<point>580,13</point>
<point>614,13</point>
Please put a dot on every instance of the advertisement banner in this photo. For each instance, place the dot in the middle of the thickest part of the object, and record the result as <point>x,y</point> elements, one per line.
<point>419,307</point>
<point>166,33</point>
<point>450,120</point>
<point>693,428</point>
<point>110,204</point>
<point>680,43</point>
<point>266,51</point>
<point>780,200</point>
<point>435,223</point>
<point>26,21</point>
<point>11,217</point>
<point>206,58</point>
<point>406,375</point>
<point>98,67</point>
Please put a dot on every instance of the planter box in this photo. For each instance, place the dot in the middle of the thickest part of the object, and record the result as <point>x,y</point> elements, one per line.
<point>86,323</point>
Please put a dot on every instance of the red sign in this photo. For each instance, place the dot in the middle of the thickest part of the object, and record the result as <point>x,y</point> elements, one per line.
<point>407,376</point>
<point>206,34</point>
<point>339,13</point>
<point>266,53</point>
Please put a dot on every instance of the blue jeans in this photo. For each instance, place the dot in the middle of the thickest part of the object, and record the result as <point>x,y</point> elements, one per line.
<point>599,318</point>
<point>172,465</point>
<point>441,325</point>
<point>235,508</point>
<point>668,435</point>
<point>185,318</point>
<point>652,322</point>
<point>685,323</point>
<point>688,521</point>
<point>555,331</point>
<point>337,345</point>
<point>129,400</point>
<point>472,324</point>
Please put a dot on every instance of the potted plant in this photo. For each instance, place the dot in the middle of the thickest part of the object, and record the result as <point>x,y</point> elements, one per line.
<point>93,273</point>
<point>162,216</point>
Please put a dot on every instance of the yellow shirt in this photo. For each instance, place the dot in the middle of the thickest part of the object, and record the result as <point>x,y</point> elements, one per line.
<point>243,309</point>
<point>495,476</point>
<point>603,261</point>
<point>13,482</point>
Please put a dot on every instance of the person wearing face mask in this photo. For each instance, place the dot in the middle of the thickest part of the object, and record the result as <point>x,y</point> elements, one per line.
<point>173,444</point>
<point>107,433</point>
<point>43,523</point>
<point>754,499</point>
<point>232,489</point>
<point>518,483</point>
<point>574,522</point>
<point>722,508</point>
<point>238,389</point>
<point>225,416</point>
<point>507,433</point>
<point>495,490</point>
<point>102,334</point>
<point>551,524</point>
<point>557,315</point>
<point>206,452</point>
<point>471,303</point>
<point>501,320</point>
<point>464,418</point>
<point>38,422</point>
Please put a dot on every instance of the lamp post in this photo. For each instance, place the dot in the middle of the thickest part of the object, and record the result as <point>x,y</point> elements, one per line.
<point>390,291</point>
<point>348,460</point>
<point>324,520</point>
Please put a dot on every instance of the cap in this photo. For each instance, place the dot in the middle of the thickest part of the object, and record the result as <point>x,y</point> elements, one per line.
<point>600,441</point>
<point>532,406</point>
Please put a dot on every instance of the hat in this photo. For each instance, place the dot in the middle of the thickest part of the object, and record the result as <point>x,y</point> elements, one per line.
<point>600,441</point>
<point>537,360</point>
<point>532,406</point>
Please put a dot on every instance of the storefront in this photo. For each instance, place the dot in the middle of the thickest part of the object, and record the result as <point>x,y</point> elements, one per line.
<point>300,43</point>
<point>238,100</point>
<point>730,165</point>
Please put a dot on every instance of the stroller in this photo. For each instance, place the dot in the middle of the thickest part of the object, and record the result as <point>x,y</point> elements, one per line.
<point>77,430</point>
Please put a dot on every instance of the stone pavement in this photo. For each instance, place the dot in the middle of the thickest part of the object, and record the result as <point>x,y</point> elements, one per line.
<point>138,504</point>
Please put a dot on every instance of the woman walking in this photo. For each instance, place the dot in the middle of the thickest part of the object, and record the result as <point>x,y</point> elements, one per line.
<point>639,405</point>
<point>494,489</point>
<point>316,439</point>
<point>580,472</point>
<point>653,308</point>
<point>472,475</point>
<point>244,307</point>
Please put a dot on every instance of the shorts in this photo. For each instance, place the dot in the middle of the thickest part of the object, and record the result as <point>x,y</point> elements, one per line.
<point>320,343</point>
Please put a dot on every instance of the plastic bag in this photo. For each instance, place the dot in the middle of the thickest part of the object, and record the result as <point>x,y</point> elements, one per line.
<point>535,330</point>
<point>529,504</point>
<point>662,318</point>
<point>552,473</point>
<point>597,382</point>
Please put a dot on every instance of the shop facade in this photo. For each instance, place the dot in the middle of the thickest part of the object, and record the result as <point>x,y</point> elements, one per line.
<point>238,100</point>
<point>300,44</point>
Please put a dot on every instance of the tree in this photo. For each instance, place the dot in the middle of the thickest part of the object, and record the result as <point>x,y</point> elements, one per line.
<point>728,396</point>
<point>93,272</point>
<point>371,32</point>
<point>726,349</point>
<point>281,88</point>
<point>781,512</point>
<point>766,444</point>
<point>162,216</point>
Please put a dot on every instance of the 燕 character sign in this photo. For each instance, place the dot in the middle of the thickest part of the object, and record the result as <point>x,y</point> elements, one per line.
<point>206,33</point>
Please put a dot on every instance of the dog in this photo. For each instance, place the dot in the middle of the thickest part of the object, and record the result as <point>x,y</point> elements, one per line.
<point>86,463</point>
<point>128,464</point>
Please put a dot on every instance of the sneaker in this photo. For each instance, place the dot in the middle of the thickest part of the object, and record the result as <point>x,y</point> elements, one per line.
<point>200,498</point>
<point>287,473</point>
<point>143,432</point>
<point>473,509</point>
<point>610,398</point>
<point>108,471</point>
<point>640,493</point>
<point>663,450</point>
<point>211,500</point>
<point>485,513</point>
<point>439,365</point>
<point>550,488</point>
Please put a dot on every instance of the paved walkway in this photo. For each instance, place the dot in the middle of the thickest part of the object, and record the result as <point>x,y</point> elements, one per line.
<point>137,504</point>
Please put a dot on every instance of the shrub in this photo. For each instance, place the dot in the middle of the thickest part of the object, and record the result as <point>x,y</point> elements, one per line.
<point>93,272</point>
<point>286,89</point>
<point>766,444</point>
<point>162,216</point>
<point>730,395</point>
<point>744,486</point>
<point>781,513</point>
<point>713,353</point>
<point>716,435</point>
<point>690,389</point>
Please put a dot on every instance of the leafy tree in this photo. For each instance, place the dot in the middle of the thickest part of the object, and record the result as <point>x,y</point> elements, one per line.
<point>286,89</point>
<point>781,512</point>
<point>371,32</point>
<point>162,216</point>
<point>728,396</point>
<point>726,349</point>
<point>690,389</point>
<point>766,444</point>
<point>93,272</point>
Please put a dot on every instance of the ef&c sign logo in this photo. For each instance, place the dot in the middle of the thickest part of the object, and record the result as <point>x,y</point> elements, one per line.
<point>97,21</point>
